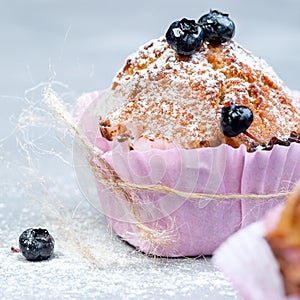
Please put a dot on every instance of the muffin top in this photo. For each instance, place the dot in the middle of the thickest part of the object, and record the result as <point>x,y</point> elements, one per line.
<point>179,98</point>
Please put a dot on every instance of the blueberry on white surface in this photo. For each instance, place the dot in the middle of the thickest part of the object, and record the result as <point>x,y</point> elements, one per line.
<point>36,244</point>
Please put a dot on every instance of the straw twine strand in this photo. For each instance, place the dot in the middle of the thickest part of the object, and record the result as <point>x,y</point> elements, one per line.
<point>104,172</point>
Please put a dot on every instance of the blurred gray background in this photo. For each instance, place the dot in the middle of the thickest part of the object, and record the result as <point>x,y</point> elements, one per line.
<point>83,44</point>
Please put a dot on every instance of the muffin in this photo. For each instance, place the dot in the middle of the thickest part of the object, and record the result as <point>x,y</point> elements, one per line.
<point>263,260</point>
<point>199,139</point>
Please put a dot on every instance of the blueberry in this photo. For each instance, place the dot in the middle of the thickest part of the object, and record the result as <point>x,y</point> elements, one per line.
<point>218,27</point>
<point>36,244</point>
<point>235,119</point>
<point>185,36</point>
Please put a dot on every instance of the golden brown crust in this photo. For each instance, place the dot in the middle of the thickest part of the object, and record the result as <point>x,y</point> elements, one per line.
<point>179,99</point>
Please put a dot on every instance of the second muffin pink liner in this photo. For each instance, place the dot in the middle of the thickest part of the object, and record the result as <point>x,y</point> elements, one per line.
<point>248,262</point>
<point>172,225</point>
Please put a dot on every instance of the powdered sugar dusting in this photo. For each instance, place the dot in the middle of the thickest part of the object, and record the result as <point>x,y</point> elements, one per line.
<point>179,98</point>
<point>119,271</point>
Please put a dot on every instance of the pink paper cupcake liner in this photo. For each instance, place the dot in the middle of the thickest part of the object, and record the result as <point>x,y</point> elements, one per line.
<point>248,262</point>
<point>170,225</point>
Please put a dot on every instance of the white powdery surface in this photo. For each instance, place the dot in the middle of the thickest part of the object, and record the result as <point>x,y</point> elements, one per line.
<point>106,269</point>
